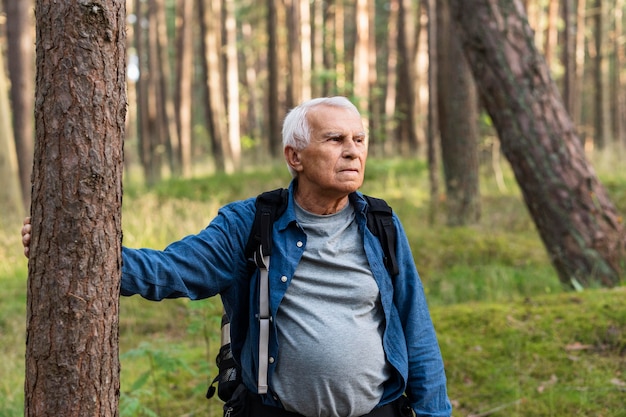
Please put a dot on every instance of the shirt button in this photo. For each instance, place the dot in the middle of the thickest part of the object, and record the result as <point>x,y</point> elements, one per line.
<point>299,244</point>
<point>271,359</point>
<point>283,278</point>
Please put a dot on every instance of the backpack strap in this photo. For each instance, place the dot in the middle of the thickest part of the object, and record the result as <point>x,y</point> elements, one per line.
<point>380,223</point>
<point>269,206</point>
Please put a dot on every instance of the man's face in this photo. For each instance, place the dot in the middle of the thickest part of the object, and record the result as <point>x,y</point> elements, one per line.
<point>333,164</point>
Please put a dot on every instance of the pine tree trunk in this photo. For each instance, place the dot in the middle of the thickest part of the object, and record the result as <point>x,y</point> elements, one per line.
<point>72,365</point>
<point>458,124</point>
<point>574,215</point>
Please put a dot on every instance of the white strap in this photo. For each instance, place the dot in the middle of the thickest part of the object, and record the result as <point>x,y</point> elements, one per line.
<point>264,323</point>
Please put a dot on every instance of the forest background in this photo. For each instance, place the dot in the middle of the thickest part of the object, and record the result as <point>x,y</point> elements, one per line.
<point>208,85</point>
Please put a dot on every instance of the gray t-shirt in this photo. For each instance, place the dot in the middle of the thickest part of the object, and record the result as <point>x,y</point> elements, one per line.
<point>331,361</point>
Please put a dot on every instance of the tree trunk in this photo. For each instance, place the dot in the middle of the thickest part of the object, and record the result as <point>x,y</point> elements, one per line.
<point>391,87</point>
<point>569,57</point>
<point>184,82</point>
<point>306,52</point>
<point>210,28</point>
<point>10,195</point>
<point>433,115</point>
<point>602,114</point>
<point>232,84</point>
<point>20,64</point>
<point>273,116</point>
<point>72,365</point>
<point>407,101</point>
<point>579,49</point>
<point>294,57</point>
<point>458,124</point>
<point>361,60</point>
<point>165,101</point>
<point>574,215</point>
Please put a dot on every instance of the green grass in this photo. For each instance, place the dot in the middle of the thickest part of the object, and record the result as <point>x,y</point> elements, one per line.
<point>512,338</point>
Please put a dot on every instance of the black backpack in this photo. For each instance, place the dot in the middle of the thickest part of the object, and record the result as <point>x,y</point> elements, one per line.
<point>270,205</point>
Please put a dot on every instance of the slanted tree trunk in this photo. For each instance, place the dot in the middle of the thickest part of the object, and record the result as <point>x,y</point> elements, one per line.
<point>20,64</point>
<point>574,215</point>
<point>72,365</point>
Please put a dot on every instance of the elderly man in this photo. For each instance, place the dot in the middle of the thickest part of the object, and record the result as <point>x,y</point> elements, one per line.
<point>346,338</point>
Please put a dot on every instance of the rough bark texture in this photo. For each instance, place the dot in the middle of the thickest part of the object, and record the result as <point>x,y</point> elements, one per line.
<point>72,365</point>
<point>576,219</point>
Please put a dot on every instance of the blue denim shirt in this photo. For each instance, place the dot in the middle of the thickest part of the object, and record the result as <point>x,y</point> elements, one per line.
<point>213,262</point>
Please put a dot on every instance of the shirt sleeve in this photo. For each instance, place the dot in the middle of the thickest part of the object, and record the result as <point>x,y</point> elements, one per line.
<point>426,385</point>
<point>197,266</point>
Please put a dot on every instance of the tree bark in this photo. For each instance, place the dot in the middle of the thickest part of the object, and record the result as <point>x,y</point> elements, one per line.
<point>72,365</point>
<point>20,64</point>
<point>574,215</point>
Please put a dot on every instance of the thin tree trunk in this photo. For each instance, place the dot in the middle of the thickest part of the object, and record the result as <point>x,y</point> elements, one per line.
<point>581,27</point>
<point>569,57</point>
<point>305,47</point>
<point>72,365</point>
<point>602,114</point>
<point>294,53</point>
<point>407,136</point>
<point>618,107</point>
<point>433,116</point>
<point>10,194</point>
<point>574,215</point>
<point>165,103</point>
<point>273,117</point>
<point>232,84</point>
<point>318,27</point>
<point>391,87</point>
<point>210,13</point>
<point>184,81</point>
<point>361,60</point>
<point>552,32</point>
<point>20,64</point>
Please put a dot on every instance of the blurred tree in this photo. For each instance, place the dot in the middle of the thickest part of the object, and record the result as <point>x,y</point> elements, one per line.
<point>458,123</point>
<point>210,15</point>
<point>10,193</point>
<point>184,77</point>
<point>20,53</point>
<point>574,215</point>
<point>232,83</point>
<point>72,365</point>
<point>432,135</point>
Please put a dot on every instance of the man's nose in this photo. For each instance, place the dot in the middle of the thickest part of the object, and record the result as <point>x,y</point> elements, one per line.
<point>351,148</point>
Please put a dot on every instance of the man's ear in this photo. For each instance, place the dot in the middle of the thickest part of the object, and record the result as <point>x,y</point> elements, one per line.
<point>292,157</point>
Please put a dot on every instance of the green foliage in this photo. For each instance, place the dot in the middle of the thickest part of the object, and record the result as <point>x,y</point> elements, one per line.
<point>512,338</point>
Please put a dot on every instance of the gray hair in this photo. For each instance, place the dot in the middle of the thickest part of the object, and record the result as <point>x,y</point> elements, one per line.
<point>296,129</point>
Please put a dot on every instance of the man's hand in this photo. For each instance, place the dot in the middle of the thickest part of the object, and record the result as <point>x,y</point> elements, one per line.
<point>26,229</point>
